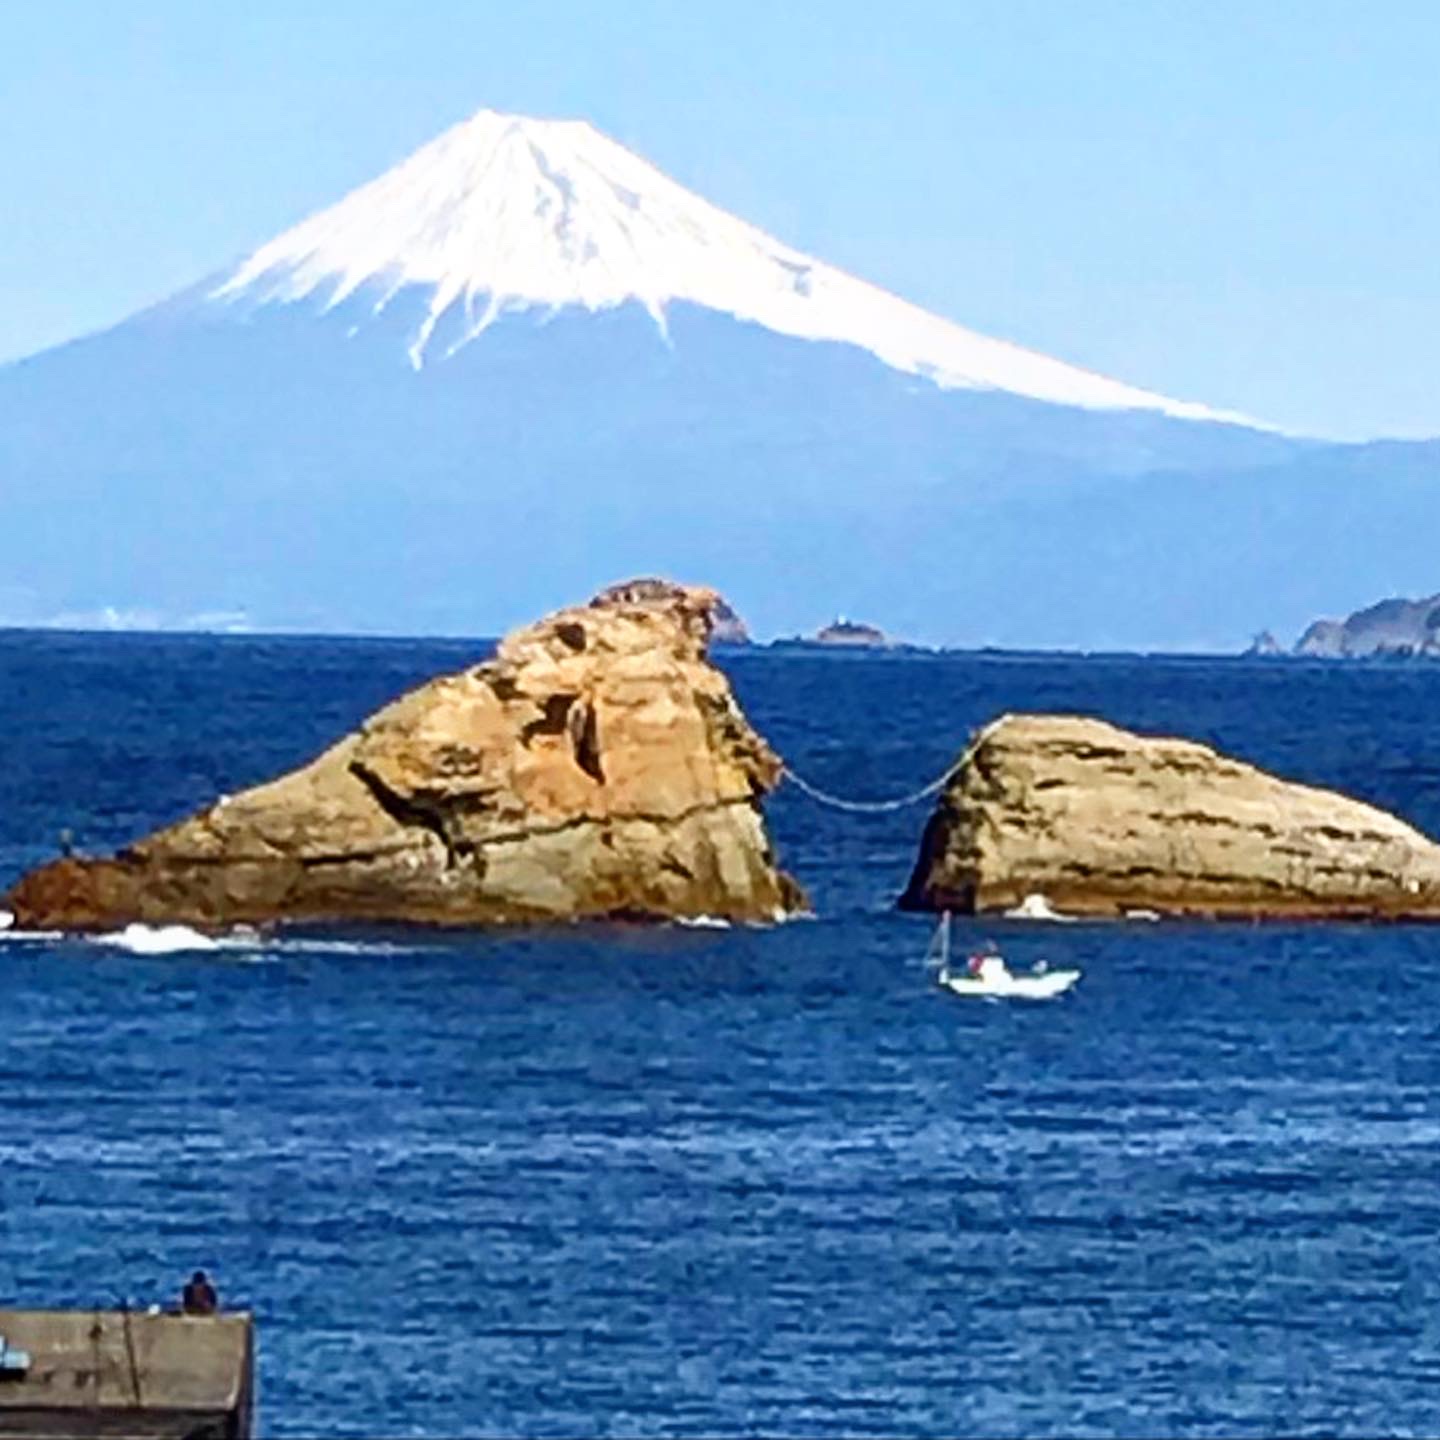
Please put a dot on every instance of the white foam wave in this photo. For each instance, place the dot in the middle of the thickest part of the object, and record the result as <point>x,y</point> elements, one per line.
<point>1036,907</point>
<point>7,920</point>
<point>296,945</point>
<point>789,917</point>
<point>158,939</point>
<point>703,922</point>
<point>243,939</point>
<point>1150,915</point>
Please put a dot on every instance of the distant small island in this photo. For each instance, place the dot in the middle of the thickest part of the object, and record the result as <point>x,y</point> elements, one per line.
<point>1395,628</point>
<point>842,634</point>
<point>845,634</point>
<point>1266,646</point>
<point>841,631</point>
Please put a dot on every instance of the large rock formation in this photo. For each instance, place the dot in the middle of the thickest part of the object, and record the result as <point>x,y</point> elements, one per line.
<point>598,766</point>
<point>1101,821</point>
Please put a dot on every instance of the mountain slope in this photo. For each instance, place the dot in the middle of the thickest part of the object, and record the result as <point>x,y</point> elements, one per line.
<point>524,364</point>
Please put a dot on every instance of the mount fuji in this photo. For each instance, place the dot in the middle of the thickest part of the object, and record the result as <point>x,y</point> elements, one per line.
<point>506,215</point>
<point>524,363</point>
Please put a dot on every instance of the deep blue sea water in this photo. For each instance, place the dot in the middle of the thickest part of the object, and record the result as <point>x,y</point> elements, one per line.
<point>769,1181</point>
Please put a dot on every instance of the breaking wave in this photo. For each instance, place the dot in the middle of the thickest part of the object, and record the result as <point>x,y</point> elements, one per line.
<point>158,939</point>
<point>241,943</point>
<point>1036,907</point>
<point>704,922</point>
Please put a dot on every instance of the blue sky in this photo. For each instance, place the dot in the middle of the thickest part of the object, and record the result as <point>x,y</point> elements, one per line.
<point>1237,203</point>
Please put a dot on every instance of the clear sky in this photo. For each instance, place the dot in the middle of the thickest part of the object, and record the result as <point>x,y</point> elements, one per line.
<point>1232,201</point>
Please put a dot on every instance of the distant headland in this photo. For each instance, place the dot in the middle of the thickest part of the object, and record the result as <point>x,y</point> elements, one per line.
<point>1394,628</point>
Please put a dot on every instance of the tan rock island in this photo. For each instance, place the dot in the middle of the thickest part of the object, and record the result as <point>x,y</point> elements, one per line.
<point>1100,821</point>
<point>598,766</point>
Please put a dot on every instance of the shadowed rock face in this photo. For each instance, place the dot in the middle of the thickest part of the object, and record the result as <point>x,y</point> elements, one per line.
<point>1101,821</point>
<point>597,767</point>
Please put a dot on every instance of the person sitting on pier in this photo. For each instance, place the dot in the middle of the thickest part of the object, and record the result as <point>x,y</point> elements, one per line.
<point>199,1297</point>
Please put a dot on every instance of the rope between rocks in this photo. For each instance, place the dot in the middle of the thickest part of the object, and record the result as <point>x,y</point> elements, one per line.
<point>884,807</point>
<point>869,807</point>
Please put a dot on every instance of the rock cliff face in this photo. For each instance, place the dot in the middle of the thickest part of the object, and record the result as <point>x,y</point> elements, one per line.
<point>597,767</point>
<point>1100,821</point>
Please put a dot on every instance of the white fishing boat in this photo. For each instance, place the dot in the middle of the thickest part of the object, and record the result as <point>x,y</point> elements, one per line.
<point>988,977</point>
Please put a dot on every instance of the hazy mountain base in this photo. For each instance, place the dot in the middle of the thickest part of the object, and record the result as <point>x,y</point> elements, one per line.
<point>205,458</point>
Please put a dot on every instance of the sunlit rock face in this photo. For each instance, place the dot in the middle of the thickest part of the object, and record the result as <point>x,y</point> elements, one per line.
<point>598,767</point>
<point>1100,821</point>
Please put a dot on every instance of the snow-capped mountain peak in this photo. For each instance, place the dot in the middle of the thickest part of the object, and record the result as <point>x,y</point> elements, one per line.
<point>504,213</point>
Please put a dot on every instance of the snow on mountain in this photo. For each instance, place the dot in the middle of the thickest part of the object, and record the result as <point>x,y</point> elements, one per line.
<point>503,213</point>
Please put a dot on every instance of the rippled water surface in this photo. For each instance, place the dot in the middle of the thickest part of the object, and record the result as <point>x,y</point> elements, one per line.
<point>696,1181</point>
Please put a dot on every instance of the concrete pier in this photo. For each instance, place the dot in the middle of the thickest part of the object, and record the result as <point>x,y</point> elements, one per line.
<point>119,1372</point>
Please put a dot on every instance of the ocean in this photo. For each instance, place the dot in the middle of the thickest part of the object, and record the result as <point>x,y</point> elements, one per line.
<point>684,1181</point>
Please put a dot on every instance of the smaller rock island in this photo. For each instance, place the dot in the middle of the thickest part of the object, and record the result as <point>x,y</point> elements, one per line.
<point>1101,821</point>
